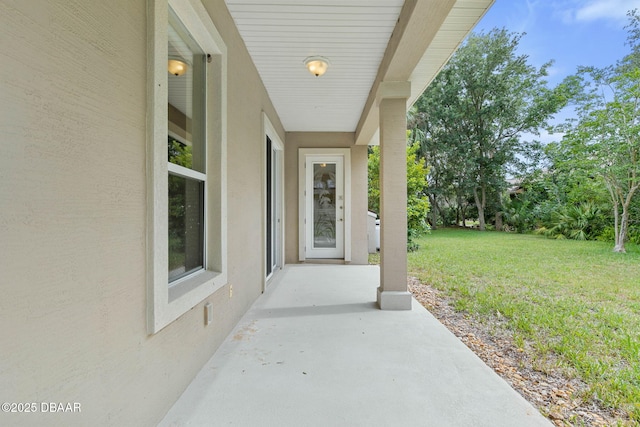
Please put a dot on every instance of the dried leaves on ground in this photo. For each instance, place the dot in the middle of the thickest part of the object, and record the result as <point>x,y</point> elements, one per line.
<point>555,395</point>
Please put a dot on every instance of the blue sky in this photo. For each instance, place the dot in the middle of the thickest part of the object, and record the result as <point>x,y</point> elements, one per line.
<point>569,32</point>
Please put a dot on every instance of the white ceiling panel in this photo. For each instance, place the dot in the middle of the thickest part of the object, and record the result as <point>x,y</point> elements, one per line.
<point>351,34</point>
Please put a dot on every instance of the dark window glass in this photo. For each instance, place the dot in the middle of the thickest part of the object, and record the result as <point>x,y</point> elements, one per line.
<point>186,226</point>
<point>269,206</point>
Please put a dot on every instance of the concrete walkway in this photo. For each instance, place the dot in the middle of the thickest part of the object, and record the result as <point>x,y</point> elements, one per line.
<point>315,351</point>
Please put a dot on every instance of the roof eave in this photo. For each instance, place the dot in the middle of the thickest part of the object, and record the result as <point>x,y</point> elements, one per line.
<point>427,33</point>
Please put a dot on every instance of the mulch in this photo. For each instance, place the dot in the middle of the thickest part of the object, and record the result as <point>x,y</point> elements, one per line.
<point>557,396</point>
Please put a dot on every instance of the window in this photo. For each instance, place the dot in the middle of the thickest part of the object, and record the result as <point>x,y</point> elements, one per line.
<point>186,152</point>
<point>186,242</point>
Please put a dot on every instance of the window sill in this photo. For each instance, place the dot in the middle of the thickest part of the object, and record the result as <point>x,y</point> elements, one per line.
<point>188,284</point>
<point>172,302</point>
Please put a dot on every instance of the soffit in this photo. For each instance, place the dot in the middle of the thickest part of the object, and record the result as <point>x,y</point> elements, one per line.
<point>354,35</point>
<point>464,15</point>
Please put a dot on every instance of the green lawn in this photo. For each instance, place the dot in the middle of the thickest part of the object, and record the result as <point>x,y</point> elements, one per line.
<point>571,303</point>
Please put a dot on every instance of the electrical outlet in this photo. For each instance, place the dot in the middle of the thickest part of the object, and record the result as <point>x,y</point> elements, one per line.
<point>230,291</point>
<point>208,314</point>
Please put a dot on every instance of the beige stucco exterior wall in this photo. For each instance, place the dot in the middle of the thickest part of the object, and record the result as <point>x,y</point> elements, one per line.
<point>296,140</point>
<point>73,215</point>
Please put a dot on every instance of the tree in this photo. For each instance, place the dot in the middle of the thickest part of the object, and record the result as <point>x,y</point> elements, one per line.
<point>557,194</point>
<point>417,201</point>
<point>605,139</point>
<point>476,111</point>
<point>448,178</point>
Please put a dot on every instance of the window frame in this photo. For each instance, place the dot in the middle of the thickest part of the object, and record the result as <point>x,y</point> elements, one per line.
<point>166,302</point>
<point>278,238</point>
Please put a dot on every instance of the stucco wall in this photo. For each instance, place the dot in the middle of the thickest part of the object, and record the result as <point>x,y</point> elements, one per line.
<point>72,218</point>
<point>295,141</point>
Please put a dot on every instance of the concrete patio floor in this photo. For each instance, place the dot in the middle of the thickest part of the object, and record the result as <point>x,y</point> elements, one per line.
<point>314,350</point>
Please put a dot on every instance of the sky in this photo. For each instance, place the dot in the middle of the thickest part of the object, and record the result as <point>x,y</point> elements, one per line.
<point>570,33</point>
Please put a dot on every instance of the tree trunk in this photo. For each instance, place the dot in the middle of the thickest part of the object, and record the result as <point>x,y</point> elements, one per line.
<point>434,212</point>
<point>464,216</point>
<point>498,221</point>
<point>621,234</point>
<point>621,222</point>
<point>480,203</point>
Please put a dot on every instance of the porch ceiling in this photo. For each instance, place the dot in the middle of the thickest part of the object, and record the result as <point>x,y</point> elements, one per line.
<point>355,36</point>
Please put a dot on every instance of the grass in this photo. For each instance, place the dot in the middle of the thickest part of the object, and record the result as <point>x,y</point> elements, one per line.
<point>574,303</point>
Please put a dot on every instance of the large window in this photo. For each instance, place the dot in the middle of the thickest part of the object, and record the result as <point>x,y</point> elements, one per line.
<point>186,151</point>
<point>186,239</point>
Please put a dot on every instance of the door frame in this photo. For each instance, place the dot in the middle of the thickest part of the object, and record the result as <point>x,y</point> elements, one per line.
<point>303,154</point>
<point>277,145</point>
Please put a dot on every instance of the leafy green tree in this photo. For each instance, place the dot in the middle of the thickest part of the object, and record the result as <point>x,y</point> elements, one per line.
<point>605,138</point>
<point>417,200</point>
<point>449,186</point>
<point>476,110</point>
<point>373,178</point>
<point>557,193</point>
<point>528,204</point>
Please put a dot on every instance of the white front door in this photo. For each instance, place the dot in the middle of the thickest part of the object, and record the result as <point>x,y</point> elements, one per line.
<point>324,206</point>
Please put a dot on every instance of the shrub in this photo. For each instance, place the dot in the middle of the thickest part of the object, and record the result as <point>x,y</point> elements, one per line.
<point>576,222</point>
<point>417,201</point>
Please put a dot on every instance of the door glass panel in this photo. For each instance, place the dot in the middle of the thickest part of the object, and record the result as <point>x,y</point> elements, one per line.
<point>269,207</point>
<point>324,205</point>
<point>274,209</point>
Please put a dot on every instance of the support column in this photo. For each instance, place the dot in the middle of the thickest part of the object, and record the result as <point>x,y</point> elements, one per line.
<point>392,104</point>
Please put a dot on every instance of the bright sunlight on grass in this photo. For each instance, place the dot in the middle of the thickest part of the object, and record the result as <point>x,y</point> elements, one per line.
<point>574,304</point>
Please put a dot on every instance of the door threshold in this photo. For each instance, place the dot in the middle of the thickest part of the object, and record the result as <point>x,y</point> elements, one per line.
<point>324,261</point>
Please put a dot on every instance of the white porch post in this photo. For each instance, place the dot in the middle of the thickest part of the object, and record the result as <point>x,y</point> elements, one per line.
<point>392,104</point>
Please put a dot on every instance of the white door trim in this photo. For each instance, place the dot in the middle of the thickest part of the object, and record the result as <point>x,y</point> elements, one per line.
<point>278,145</point>
<point>303,153</point>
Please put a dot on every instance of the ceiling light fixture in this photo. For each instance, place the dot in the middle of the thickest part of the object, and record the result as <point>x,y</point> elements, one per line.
<point>317,65</point>
<point>177,66</point>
